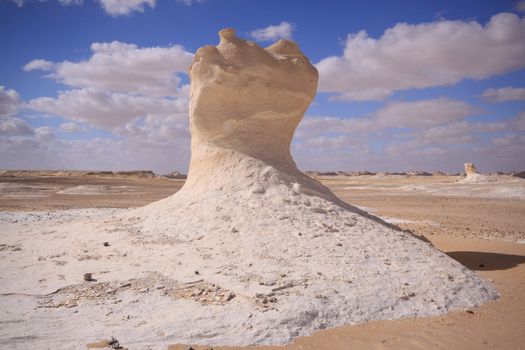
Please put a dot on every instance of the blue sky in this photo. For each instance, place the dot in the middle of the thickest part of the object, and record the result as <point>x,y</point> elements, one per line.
<point>427,85</point>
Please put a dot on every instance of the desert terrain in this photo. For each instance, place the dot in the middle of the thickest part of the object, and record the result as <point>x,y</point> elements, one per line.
<point>480,225</point>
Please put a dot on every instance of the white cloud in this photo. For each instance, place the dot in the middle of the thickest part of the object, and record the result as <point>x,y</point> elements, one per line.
<point>504,94</point>
<point>39,65</point>
<point>71,2</point>
<point>423,55</point>
<point>9,102</point>
<point>125,7</point>
<point>519,121</point>
<point>520,6</point>
<point>104,109</point>
<point>370,143</point>
<point>422,113</point>
<point>121,67</point>
<point>281,31</point>
<point>399,114</point>
<point>15,127</point>
<point>146,147</point>
<point>189,2</point>
<point>70,127</point>
<point>18,3</point>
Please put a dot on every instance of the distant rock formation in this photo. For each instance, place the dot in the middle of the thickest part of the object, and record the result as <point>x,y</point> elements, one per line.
<point>176,175</point>
<point>473,177</point>
<point>470,169</point>
<point>396,173</point>
<point>520,174</point>
<point>418,173</point>
<point>137,173</point>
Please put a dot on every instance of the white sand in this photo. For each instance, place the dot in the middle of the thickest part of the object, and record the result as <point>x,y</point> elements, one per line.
<point>93,189</point>
<point>479,186</point>
<point>338,268</point>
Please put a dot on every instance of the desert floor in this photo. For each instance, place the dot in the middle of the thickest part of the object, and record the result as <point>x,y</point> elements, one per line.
<point>480,225</point>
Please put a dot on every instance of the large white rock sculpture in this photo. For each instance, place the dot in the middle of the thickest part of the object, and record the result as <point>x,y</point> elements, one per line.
<point>246,103</point>
<point>296,258</point>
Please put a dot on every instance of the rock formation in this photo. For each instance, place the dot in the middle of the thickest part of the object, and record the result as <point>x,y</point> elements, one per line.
<point>295,257</point>
<point>473,177</point>
<point>470,169</point>
<point>246,103</point>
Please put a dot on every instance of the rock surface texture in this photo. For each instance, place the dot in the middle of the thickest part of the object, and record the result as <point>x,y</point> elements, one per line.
<point>296,257</point>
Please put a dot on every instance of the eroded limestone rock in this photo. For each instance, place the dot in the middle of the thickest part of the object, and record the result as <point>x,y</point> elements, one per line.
<point>470,169</point>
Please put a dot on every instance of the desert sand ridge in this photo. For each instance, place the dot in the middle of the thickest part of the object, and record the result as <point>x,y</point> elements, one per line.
<point>296,257</point>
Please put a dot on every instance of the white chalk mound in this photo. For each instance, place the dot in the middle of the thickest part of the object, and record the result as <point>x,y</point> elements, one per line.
<point>293,257</point>
<point>473,177</point>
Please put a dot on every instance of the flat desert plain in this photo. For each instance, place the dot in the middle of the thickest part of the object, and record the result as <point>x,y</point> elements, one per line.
<point>481,225</point>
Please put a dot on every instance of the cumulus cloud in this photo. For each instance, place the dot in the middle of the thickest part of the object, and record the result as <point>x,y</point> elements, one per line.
<point>104,109</point>
<point>504,94</point>
<point>394,115</point>
<point>520,6</point>
<point>280,31</point>
<point>9,102</point>
<point>189,2</point>
<point>121,67</point>
<point>71,2</point>
<point>18,3</point>
<point>519,121</point>
<point>70,127</point>
<point>125,7</point>
<point>430,139</point>
<point>15,127</point>
<point>39,65</point>
<point>422,113</point>
<point>423,55</point>
<point>144,146</point>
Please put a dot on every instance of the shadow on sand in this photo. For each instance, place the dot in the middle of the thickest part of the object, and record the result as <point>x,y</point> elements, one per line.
<point>482,261</point>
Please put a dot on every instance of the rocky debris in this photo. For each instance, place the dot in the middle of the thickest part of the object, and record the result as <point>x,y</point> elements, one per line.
<point>112,343</point>
<point>200,291</point>
<point>88,277</point>
<point>265,301</point>
<point>105,244</point>
<point>8,247</point>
